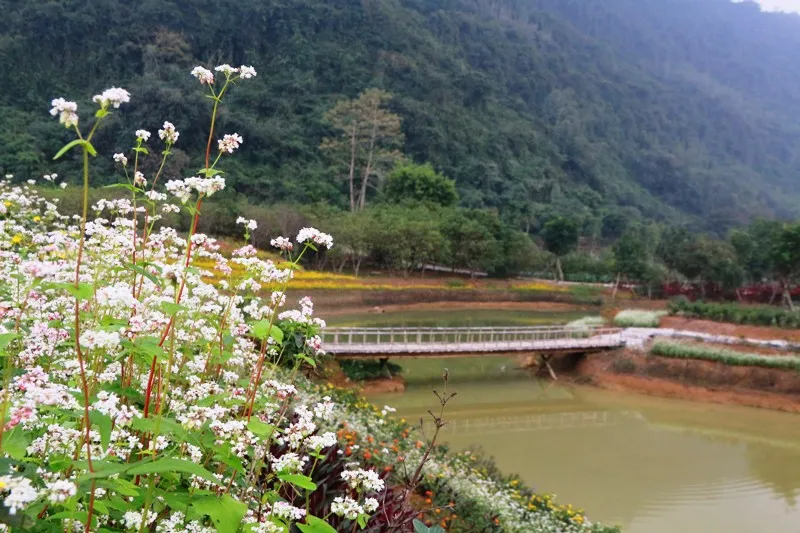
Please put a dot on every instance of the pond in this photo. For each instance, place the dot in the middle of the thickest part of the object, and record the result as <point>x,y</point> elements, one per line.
<point>651,465</point>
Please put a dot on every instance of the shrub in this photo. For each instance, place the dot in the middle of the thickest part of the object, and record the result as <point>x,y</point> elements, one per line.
<point>366,369</point>
<point>756,315</point>
<point>637,318</point>
<point>721,355</point>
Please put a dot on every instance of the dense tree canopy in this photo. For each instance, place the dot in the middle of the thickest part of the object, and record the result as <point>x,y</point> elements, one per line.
<point>660,109</point>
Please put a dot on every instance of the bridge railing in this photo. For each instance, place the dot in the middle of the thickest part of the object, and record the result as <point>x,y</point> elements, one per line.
<point>463,335</point>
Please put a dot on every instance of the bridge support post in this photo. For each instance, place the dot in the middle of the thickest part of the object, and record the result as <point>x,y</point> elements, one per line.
<point>544,362</point>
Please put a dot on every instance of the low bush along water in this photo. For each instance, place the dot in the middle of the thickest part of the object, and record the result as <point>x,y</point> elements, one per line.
<point>756,315</point>
<point>137,396</point>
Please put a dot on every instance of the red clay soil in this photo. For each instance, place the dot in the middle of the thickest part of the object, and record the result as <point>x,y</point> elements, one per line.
<point>693,380</point>
<point>734,330</point>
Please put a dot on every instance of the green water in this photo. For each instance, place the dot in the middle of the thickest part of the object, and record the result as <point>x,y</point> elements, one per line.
<point>649,464</point>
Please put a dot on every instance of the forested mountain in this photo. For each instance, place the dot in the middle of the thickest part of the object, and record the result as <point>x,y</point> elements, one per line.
<point>684,111</point>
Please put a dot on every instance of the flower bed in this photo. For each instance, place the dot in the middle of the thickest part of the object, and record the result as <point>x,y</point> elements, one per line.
<point>721,355</point>
<point>638,318</point>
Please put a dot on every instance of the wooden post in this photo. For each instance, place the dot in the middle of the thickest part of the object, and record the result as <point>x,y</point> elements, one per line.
<point>545,360</point>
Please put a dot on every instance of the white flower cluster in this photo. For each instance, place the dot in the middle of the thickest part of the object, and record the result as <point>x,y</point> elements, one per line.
<point>363,480</point>
<point>168,133</point>
<point>142,135</point>
<point>113,97</point>
<point>247,223</point>
<point>67,112</point>
<point>121,159</point>
<point>315,236</point>
<point>206,77</point>
<point>183,189</point>
<point>230,142</point>
<point>281,243</point>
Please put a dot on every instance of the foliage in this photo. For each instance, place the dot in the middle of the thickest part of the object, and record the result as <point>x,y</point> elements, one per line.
<point>419,183</point>
<point>638,318</point>
<point>560,236</point>
<point>538,109</point>
<point>728,357</point>
<point>756,315</point>
<point>366,369</point>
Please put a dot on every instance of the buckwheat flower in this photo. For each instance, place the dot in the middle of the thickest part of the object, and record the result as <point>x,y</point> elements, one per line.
<point>282,243</point>
<point>121,159</point>
<point>112,97</point>
<point>226,69</point>
<point>138,179</point>
<point>133,519</point>
<point>61,490</point>
<point>317,442</point>
<point>370,505</point>
<point>346,507</point>
<point>246,72</point>
<point>67,112</point>
<point>230,142</point>
<point>288,462</point>
<point>203,74</point>
<point>31,182</point>
<point>168,134</point>
<point>315,236</point>
<point>9,176</point>
<point>285,510</point>
<point>368,480</point>
<point>20,493</point>
<point>142,135</point>
<point>49,177</point>
<point>63,185</point>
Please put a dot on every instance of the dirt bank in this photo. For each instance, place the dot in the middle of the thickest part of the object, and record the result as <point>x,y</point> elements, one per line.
<point>692,380</point>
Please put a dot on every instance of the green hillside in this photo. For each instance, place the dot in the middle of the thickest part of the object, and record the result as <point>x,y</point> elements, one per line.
<point>673,110</point>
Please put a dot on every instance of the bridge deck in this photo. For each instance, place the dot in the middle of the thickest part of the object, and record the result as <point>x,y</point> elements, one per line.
<point>439,342</point>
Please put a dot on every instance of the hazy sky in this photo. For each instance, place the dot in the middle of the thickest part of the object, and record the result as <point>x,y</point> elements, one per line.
<point>781,5</point>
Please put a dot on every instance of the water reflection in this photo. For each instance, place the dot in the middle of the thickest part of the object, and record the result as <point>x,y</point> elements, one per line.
<point>652,465</point>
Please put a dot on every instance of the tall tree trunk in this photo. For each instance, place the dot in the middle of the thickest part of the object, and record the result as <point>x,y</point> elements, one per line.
<point>616,286</point>
<point>353,168</point>
<point>787,296</point>
<point>357,265</point>
<point>368,169</point>
<point>559,272</point>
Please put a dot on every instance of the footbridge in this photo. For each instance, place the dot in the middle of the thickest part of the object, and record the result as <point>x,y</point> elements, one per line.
<point>460,342</point>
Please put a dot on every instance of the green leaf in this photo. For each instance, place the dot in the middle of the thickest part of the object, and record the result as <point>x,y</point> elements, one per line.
<point>84,291</point>
<point>226,513</point>
<point>141,150</point>
<point>260,428</point>
<point>262,329</point>
<point>100,113</point>
<point>172,308</point>
<point>315,525</point>
<point>143,272</point>
<point>5,340</point>
<point>298,480</point>
<point>420,527</point>
<point>90,148</point>
<point>67,147</point>
<point>103,423</point>
<point>169,464</point>
<point>16,442</point>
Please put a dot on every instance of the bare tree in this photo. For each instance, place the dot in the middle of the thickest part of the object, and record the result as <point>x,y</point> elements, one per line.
<point>367,144</point>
